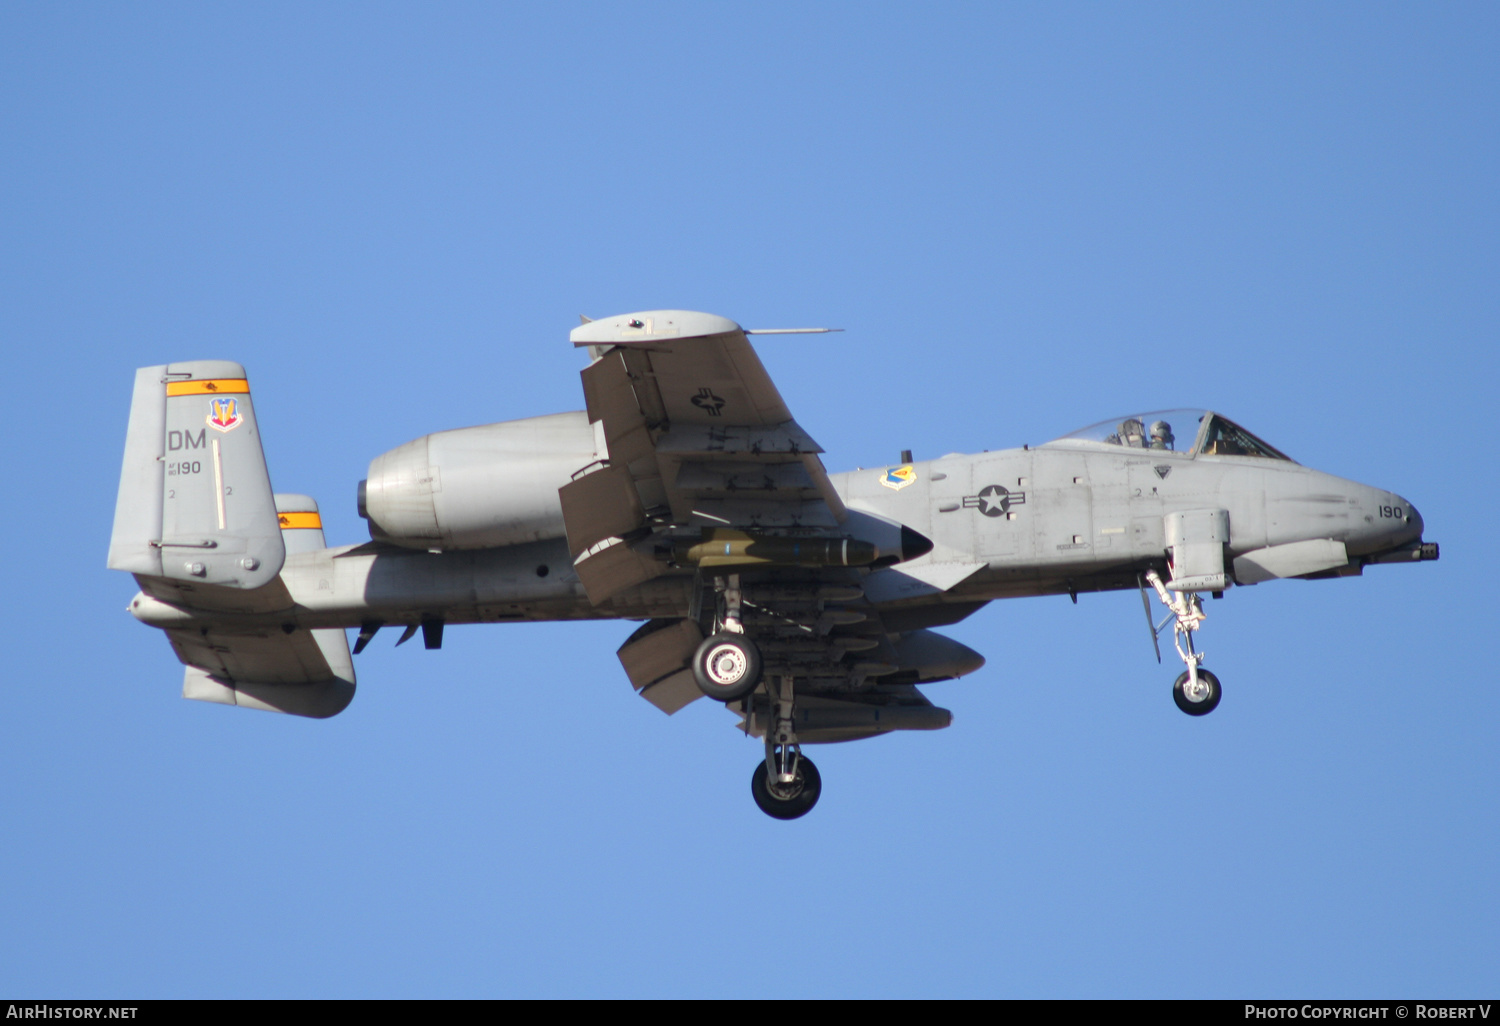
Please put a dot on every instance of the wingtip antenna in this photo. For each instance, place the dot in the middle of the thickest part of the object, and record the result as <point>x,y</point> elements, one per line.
<point>790,331</point>
<point>585,319</point>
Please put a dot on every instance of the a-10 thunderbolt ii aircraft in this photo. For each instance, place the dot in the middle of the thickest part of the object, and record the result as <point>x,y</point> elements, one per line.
<point>687,498</point>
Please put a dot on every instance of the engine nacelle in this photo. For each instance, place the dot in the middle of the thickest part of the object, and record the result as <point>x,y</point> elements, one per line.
<point>478,487</point>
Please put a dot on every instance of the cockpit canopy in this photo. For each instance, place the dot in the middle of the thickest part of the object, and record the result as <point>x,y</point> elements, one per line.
<point>1193,432</point>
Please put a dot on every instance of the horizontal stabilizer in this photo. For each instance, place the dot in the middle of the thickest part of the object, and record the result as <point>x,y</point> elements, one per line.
<point>318,701</point>
<point>304,672</point>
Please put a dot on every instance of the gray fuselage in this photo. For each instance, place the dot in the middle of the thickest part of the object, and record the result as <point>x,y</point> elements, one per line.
<point>1065,517</point>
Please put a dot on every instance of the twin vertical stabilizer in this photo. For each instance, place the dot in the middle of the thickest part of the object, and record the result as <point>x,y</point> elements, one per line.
<point>195,501</point>
<point>195,505</point>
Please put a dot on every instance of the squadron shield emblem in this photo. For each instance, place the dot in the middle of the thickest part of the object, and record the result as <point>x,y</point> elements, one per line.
<point>224,414</point>
<point>898,478</point>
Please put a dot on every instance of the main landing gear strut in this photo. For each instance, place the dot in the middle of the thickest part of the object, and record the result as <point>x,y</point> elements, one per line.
<point>727,667</point>
<point>1196,691</point>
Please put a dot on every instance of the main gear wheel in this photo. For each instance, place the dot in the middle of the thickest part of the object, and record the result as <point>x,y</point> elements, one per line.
<point>727,666</point>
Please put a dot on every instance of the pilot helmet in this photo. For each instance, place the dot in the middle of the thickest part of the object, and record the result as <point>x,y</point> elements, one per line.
<point>1161,435</point>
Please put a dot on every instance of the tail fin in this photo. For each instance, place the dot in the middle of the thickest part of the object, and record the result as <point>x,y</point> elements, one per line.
<point>195,500</point>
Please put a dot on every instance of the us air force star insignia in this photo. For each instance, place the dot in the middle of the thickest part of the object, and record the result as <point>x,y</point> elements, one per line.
<point>706,400</point>
<point>994,500</point>
<point>899,477</point>
<point>1162,470</point>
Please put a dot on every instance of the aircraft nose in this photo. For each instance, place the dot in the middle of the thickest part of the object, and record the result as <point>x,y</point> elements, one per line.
<point>1399,519</point>
<point>1414,525</point>
<point>1387,521</point>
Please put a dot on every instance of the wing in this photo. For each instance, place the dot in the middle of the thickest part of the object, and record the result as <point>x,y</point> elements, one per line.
<point>697,436</point>
<point>703,451</point>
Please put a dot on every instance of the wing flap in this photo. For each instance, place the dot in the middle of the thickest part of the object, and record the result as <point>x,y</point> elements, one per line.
<point>612,567</point>
<point>656,659</point>
<point>673,692</point>
<point>600,505</point>
<point>620,393</point>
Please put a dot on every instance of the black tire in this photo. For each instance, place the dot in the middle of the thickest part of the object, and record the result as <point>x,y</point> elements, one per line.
<point>800,803</point>
<point>727,667</point>
<point>1204,706</point>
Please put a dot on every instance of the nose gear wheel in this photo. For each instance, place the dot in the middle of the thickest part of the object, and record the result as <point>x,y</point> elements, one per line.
<point>787,800</point>
<point>1197,697</point>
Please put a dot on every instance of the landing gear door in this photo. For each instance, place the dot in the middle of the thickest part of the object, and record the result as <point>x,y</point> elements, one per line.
<point>1196,540</point>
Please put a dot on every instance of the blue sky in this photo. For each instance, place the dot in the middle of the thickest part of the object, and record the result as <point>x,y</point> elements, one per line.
<point>1027,218</point>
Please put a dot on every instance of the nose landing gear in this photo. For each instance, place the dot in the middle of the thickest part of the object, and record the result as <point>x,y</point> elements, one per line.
<point>789,800</point>
<point>1196,691</point>
<point>1196,697</point>
<point>785,784</point>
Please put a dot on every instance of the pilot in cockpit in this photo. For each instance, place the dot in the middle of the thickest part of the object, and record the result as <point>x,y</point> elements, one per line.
<point>1161,435</point>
